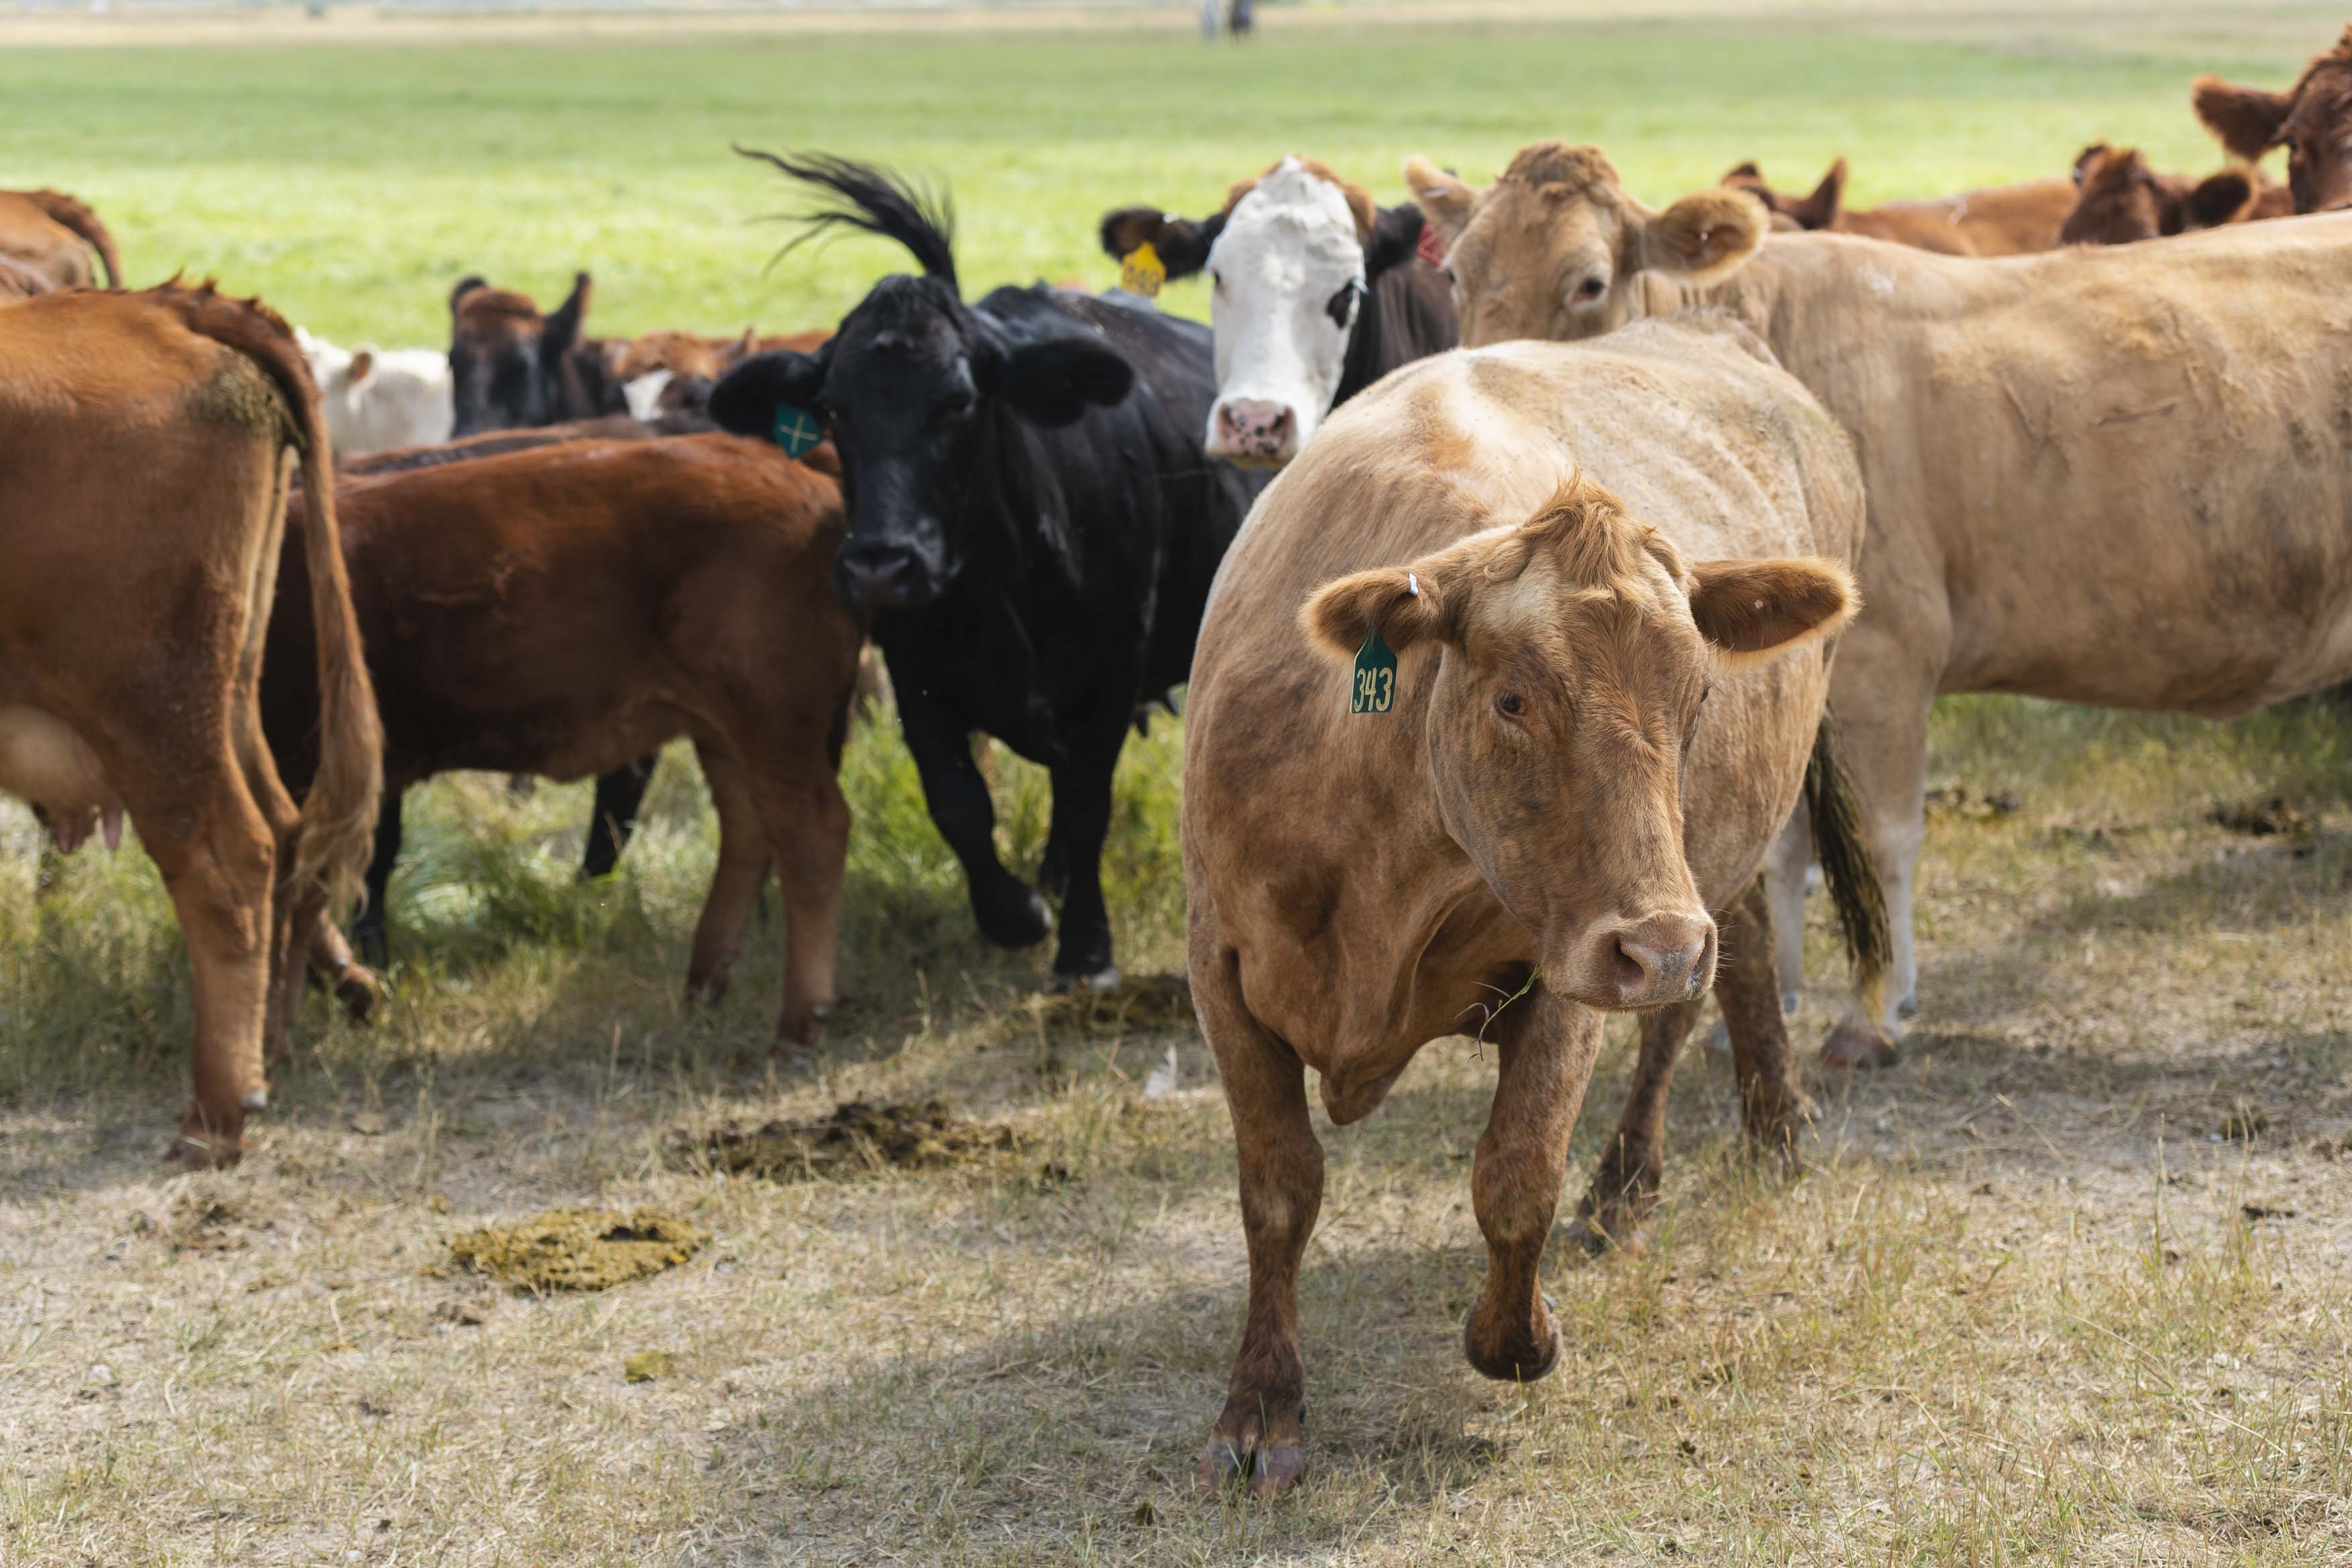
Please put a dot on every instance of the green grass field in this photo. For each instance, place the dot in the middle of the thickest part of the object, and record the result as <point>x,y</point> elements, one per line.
<point>2069,1287</point>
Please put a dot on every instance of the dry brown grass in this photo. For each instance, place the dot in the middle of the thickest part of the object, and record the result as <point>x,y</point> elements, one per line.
<point>2031,1304</point>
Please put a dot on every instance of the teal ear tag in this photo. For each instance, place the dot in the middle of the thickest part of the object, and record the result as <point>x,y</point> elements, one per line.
<point>1375,687</point>
<point>797,431</point>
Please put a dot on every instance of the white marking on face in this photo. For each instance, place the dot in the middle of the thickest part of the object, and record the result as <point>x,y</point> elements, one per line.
<point>1289,251</point>
<point>643,394</point>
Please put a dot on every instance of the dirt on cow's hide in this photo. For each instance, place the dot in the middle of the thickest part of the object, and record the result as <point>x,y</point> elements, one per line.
<point>858,1139</point>
<point>580,1249</point>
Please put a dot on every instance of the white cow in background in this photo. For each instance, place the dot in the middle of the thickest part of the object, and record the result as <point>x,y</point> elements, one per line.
<point>380,399</point>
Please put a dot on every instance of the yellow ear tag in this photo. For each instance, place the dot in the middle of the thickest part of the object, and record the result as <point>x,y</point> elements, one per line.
<point>1140,271</point>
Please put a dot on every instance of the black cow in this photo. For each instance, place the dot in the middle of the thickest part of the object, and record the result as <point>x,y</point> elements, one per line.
<point>1031,522</point>
<point>1317,294</point>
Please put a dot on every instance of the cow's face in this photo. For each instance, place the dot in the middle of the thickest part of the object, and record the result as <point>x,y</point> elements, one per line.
<point>1574,656</point>
<point>916,393</point>
<point>2312,119</point>
<point>1556,247</point>
<point>1288,275</point>
<point>507,361</point>
<point>2120,199</point>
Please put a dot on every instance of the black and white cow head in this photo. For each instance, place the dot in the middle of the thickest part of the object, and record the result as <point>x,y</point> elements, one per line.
<point>1291,262</point>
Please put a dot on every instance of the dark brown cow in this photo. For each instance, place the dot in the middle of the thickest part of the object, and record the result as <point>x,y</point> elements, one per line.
<point>2120,199</point>
<point>562,610</point>
<point>143,438</point>
<point>2312,119</point>
<point>54,235</point>
<point>2001,220</point>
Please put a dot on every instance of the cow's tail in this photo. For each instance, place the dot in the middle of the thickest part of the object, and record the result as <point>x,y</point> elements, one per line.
<point>1843,847</point>
<point>339,811</point>
<point>66,212</point>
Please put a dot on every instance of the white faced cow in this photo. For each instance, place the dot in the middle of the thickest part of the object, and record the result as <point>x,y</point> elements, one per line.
<point>378,400</point>
<point>1316,294</point>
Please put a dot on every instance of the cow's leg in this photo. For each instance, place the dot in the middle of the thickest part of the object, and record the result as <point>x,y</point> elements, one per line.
<point>1785,870</point>
<point>619,796</point>
<point>292,909</point>
<point>735,881</point>
<point>221,879</point>
<point>356,987</point>
<point>807,821</point>
<point>1625,1191</point>
<point>1081,822</point>
<point>1010,912</point>
<point>1773,1107</point>
<point>1261,1434</point>
<point>371,931</point>
<point>1884,730</point>
<point>1546,1054</point>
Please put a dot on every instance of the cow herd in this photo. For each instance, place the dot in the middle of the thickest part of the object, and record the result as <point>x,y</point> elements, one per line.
<point>1549,580</point>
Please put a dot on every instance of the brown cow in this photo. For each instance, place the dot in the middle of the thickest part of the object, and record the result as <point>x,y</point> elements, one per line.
<point>561,610</point>
<point>54,235</point>
<point>2312,119</point>
<point>2108,475</point>
<point>144,438</point>
<point>1587,717</point>
<point>2120,199</point>
<point>18,281</point>
<point>2001,220</point>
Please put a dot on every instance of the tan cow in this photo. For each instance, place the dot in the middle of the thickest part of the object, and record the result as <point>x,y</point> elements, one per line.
<point>142,494</point>
<point>2113,476</point>
<point>1596,715</point>
<point>2000,220</point>
<point>54,235</point>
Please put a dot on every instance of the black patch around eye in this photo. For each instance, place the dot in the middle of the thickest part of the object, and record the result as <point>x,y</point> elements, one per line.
<point>1342,308</point>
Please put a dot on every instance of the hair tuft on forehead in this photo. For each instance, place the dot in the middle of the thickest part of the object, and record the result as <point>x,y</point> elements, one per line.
<point>1586,169</point>
<point>1594,542</point>
<point>1360,202</point>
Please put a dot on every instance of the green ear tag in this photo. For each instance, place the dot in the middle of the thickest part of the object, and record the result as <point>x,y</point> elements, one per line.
<point>797,431</point>
<point>1375,687</point>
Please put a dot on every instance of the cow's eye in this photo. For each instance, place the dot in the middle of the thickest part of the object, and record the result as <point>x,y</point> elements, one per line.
<point>1217,278</point>
<point>1342,308</point>
<point>1591,289</point>
<point>1510,705</point>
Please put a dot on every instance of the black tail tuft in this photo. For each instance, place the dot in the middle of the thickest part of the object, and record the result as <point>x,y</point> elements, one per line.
<point>1844,853</point>
<point>873,201</point>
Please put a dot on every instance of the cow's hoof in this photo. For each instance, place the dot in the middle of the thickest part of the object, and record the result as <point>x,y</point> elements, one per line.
<point>1270,1468</point>
<point>203,1152</point>
<point>359,991</point>
<point>1610,1230</point>
<point>1019,919</point>
<point>1858,1048</point>
<point>1521,1355</point>
<point>1103,979</point>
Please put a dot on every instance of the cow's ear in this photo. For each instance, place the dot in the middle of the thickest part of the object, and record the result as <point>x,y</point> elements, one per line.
<point>563,328</point>
<point>2097,154</point>
<point>1396,237</point>
<point>2245,119</point>
<point>2218,199</point>
<point>1705,235</point>
<point>746,399</point>
<point>1181,245</point>
<point>1055,381</point>
<point>1446,200</point>
<point>466,286</point>
<point>1747,171</point>
<point>1820,209</point>
<point>1403,604</point>
<point>1129,228</point>
<point>1753,611</point>
<point>362,361</point>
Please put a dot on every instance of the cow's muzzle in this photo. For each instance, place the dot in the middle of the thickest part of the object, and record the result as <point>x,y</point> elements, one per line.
<point>1620,965</point>
<point>875,577</point>
<point>1254,431</point>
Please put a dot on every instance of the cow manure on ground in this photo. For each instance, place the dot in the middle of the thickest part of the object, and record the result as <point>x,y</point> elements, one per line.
<point>580,1249</point>
<point>2271,816</point>
<point>1142,1001</point>
<point>1975,805</point>
<point>856,1139</point>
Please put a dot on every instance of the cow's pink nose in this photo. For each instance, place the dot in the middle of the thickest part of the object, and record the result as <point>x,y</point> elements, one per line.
<point>1665,957</point>
<point>1253,427</point>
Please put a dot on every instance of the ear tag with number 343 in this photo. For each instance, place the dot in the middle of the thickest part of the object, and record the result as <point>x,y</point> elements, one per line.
<point>1140,271</point>
<point>1374,687</point>
<point>797,430</point>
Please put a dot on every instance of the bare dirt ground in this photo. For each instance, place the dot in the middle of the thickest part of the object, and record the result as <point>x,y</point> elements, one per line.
<point>2069,1285</point>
